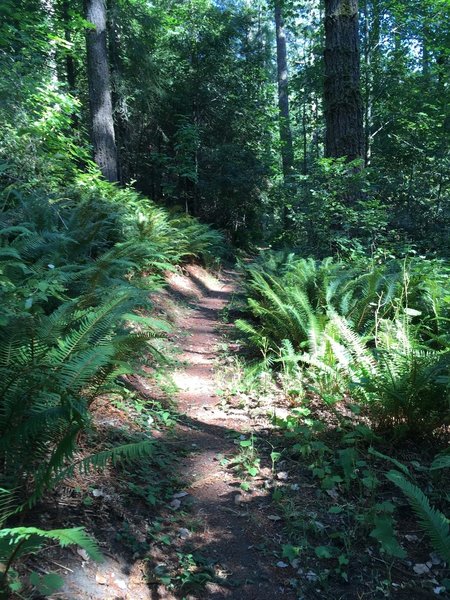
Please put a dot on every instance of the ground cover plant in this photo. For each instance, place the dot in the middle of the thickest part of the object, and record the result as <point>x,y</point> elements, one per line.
<point>359,348</point>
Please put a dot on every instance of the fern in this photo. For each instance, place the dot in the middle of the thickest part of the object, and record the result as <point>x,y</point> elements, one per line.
<point>441,462</point>
<point>394,461</point>
<point>19,541</point>
<point>352,325</point>
<point>431,520</point>
<point>65,537</point>
<point>119,454</point>
<point>70,321</point>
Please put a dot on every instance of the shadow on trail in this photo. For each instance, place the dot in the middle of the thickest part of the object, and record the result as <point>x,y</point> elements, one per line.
<point>232,545</point>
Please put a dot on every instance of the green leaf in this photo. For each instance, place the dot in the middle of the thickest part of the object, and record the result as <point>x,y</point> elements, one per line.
<point>385,534</point>
<point>370,482</point>
<point>412,312</point>
<point>324,551</point>
<point>274,456</point>
<point>343,560</point>
<point>335,510</point>
<point>290,552</point>
<point>245,443</point>
<point>47,584</point>
<point>441,462</point>
<point>15,586</point>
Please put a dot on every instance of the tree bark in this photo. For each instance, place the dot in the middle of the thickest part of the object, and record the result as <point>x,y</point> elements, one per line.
<point>287,151</point>
<point>70,63</point>
<point>344,136</point>
<point>121,125</point>
<point>102,125</point>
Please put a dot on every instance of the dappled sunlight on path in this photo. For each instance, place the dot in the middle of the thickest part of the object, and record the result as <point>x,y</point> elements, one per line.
<point>226,532</point>
<point>232,526</point>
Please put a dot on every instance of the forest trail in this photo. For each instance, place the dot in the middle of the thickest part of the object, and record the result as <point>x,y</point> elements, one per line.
<point>210,539</point>
<point>233,529</point>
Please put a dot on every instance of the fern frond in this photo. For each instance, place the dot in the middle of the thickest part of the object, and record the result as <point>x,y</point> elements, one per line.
<point>356,345</point>
<point>124,453</point>
<point>431,520</point>
<point>31,538</point>
<point>441,462</point>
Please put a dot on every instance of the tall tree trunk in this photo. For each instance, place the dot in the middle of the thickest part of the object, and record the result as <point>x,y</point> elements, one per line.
<point>121,125</point>
<point>344,135</point>
<point>70,63</point>
<point>102,125</point>
<point>373,71</point>
<point>371,41</point>
<point>287,151</point>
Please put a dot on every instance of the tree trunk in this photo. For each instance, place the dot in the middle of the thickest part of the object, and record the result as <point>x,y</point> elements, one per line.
<point>121,125</point>
<point>287,152</point>
<point>344,135</point>
<point>70,63</point>
<point>102,125</point>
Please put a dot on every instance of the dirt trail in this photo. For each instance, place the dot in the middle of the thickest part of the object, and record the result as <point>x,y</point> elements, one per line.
<point>235,528</point>
<point>229,528</point>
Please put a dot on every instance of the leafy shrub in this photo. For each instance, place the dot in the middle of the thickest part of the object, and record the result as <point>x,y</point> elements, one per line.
<point>326,191</point>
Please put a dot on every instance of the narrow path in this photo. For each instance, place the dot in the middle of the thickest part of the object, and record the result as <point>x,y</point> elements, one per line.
<point>234,528</point>
<point>210,519</point>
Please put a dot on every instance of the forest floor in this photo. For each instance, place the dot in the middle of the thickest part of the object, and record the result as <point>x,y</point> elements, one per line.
<point>198,520</point>
<point>210,538</point>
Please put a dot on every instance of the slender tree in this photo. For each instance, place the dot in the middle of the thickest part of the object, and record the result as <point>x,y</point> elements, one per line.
<point>344,135</point>
<point>102,125</point>
<point>69,59</point>
<point>287,151</point>
<point>372,55</point>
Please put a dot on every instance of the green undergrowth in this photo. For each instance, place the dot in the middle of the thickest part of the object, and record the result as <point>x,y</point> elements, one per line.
<point>358,349</point>
<point>79,262</point>
<point>350,508</point>
<point>375,331</point>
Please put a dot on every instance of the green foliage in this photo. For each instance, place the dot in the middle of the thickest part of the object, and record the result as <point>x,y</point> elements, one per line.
<point>431,520</point>
<point>17,542</point>
<point>289,306</point>
<point>384,532</point>
<point>71,318</point>
<point>441,462</point>
<point>23,540</point>
<point>196,127</point>
<point>360,502</point>
<point>79,260</point>
<point>375,330</point>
